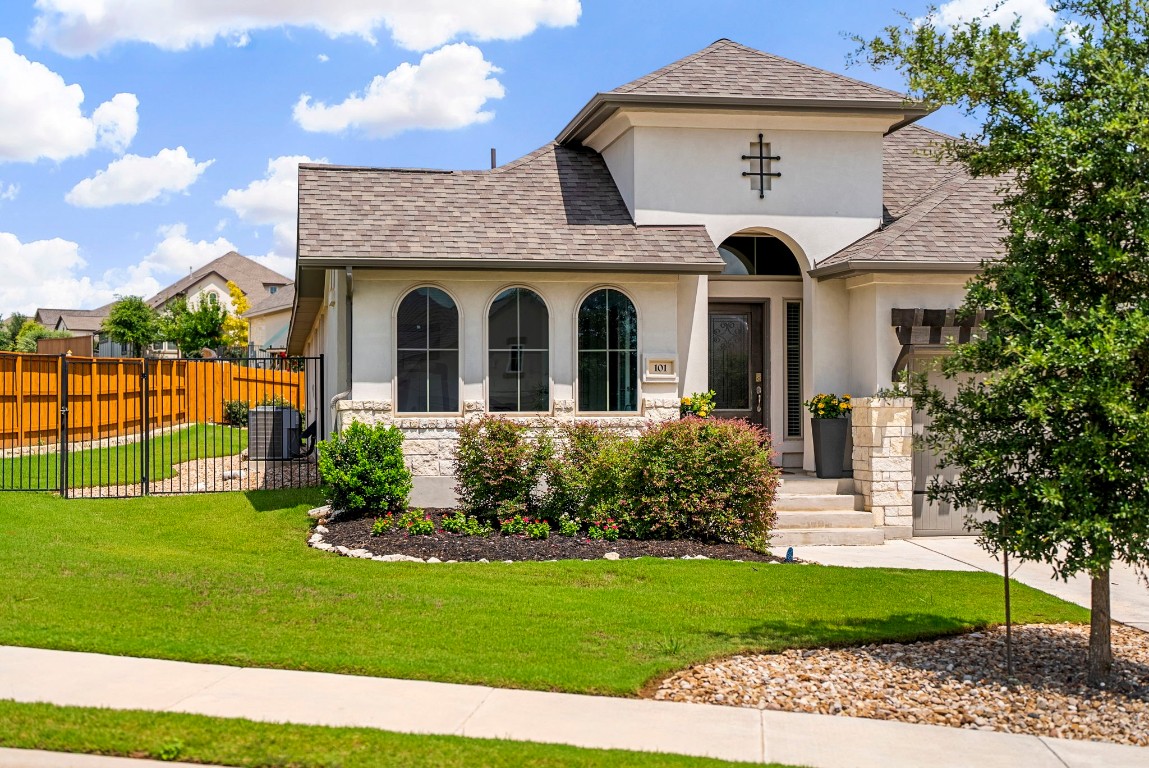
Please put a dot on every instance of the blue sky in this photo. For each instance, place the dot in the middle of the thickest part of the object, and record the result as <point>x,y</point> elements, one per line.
<point>192,120</point>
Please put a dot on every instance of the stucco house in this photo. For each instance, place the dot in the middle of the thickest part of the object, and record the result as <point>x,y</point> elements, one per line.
<point>268,322</point>
<point>733,221</point>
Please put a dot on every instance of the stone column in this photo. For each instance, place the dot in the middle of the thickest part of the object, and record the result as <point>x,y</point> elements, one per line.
<point>883,461</point>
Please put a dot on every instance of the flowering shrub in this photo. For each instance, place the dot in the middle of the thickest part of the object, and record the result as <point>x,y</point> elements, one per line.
<point>585,472</point>
<point>704,479</point>
<point>823,406</point>
<point>496,462</point>
<point>362,470</point>
<point>538,529</point>
<point>568,527</point>
<point>463,525</point>
<point>606,531</point>
<point>416,522</point>
<point>700,404</point>
<point>383,525</point>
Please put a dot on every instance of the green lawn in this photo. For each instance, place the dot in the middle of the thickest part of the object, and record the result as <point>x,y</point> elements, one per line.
<point>120,465</point>
<point>227,578</point>
<point>194,738</point>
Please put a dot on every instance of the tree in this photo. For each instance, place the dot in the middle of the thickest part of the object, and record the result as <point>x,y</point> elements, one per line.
<point>10,329</point>
<point>31,331</point>
<point>1050,424</point>
<point>235,327</point>
<point>194,329</point>
<point>132,321</point>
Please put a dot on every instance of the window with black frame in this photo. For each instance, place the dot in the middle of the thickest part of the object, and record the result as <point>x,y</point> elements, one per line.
<point>607,353</point>
<point>518,349</point>
<point>427,340</point>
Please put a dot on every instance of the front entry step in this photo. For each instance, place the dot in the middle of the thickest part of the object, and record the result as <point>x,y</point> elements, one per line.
<point>802,502</point>
<point>854,537</point>
<point>806,518</point>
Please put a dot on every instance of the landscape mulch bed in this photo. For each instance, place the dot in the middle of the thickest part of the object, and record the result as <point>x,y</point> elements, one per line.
<point>356,534</point>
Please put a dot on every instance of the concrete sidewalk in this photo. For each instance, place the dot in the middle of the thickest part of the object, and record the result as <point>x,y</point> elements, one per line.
<point>1129,596</point>
<point>732,733</point>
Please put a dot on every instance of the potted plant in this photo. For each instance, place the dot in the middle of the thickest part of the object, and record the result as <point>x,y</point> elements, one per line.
<point>828,427</point>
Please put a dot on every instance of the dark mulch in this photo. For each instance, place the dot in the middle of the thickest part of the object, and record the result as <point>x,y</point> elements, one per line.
<point>356,534</point>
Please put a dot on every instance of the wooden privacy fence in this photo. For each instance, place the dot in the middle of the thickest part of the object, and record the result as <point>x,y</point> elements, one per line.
<point>105,396</point>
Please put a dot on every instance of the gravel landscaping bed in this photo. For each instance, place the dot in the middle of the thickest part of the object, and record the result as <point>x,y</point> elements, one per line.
<point>957,681</point>
<point>356,535</point>
<point>222,473</point>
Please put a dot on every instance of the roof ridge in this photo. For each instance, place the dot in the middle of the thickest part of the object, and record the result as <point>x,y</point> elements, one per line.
<point>913,215</point>
<point>526,159</point>
<point>674,66</point>
<point>819,70</point>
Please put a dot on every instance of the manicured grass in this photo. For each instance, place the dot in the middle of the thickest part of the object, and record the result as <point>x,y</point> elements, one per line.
<point>194,738</point>
<point>120,465</point>
<point>227,578</point>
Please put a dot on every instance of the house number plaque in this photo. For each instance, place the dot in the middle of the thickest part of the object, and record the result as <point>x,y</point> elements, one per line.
<point>660,368</point>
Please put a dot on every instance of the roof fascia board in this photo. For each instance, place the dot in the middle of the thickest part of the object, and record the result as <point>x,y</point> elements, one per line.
<point>862,266</point>
<point>603,105</point>
<point>336,262</point>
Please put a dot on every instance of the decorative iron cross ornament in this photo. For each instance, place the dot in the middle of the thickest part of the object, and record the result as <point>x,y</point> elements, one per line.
<point>763,171</point>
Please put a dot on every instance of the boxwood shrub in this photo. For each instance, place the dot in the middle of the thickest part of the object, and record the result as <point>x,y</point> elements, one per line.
<point>362,470</point>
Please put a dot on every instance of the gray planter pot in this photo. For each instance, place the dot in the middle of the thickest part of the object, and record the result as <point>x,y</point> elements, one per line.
<point>829,446</point>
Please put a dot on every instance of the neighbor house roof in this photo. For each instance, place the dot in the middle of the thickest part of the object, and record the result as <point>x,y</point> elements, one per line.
<point>556,208</point>
<point>937,216</point>
<point>727,74</point>
<point>82,320</point>
<point>249,275</point>
<point>280,301</point>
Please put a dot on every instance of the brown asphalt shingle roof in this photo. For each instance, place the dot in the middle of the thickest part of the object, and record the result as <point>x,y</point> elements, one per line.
<point>935,213</point>
<point>726,68</point>
<point>249,275</point>
<point>280,300</point>
<point>557,207</point>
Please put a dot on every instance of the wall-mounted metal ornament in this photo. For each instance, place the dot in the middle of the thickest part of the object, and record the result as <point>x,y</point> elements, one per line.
<point>764,168</point>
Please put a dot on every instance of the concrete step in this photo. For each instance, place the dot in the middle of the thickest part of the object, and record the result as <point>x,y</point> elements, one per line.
<point>855,537</point>
<point>808,502</point>
<point>793,483</point>
<point>802,519</point>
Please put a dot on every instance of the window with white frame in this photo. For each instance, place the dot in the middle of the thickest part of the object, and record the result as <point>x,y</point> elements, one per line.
<point>518,349</point>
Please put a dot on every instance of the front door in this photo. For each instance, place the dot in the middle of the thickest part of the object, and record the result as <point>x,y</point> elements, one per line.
<point>736,372</point>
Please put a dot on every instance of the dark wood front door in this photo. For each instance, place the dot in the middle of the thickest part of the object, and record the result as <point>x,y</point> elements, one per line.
<point>736,369</point>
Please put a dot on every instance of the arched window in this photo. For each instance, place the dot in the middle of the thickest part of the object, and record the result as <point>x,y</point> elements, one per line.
<point>518,347</point>
<point>427,338</point>
<point>607,352</point>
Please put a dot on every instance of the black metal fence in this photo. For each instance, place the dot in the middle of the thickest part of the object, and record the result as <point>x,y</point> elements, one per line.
<point>119,427</point>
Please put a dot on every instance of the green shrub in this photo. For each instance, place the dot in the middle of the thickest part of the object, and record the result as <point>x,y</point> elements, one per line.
<point>516,525</point>
<point>568,527</point>
<point>604,531</point>
<point>538,529</point>
<point>235,412</point>
<point>586,473</point>
<point>416,522</point>
<point>496,462</point>
<point>362,470</point>
<point>703,479</point>
<point>465,525</point>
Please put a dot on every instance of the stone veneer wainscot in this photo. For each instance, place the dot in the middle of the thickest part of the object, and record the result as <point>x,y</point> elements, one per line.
<point>883,461</point>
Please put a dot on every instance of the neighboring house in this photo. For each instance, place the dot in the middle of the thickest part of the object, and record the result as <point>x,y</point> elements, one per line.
<point>268,322</point>
<point>734,222</point>
<point>255,280</point>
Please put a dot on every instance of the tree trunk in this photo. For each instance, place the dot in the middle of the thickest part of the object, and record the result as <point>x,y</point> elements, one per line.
<point>1100,647</point>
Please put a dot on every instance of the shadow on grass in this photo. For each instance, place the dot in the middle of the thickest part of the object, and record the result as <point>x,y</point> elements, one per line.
<point>778,634</point>
<point>275,500</point>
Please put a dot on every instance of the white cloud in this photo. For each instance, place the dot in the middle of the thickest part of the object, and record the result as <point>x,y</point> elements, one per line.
<point>133,179</point>
<point>323,58</point>
<point>176,254</point>
<point>78,27</point>
<point>272,201</point>
<point>446,89</point>
<point>42,118</point>
<point>1036,15</point>
<point>9,191</point>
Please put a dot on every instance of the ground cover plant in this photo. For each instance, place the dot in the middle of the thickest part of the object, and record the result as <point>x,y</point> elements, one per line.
<point>229,580</point>
<point>225,741</point>
<point>120,464</point>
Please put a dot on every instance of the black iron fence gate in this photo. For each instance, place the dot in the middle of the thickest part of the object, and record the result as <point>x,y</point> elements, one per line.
<point>118,427</point>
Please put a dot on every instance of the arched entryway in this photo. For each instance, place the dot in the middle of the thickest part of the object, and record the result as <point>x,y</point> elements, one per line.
<point>755,337</point>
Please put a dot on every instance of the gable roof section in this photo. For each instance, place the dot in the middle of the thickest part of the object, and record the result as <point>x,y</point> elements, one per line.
<point>556,208</point>
<point>727,75</point>
<point>727,68</point>
<point>83,320</point>
<point>279,301</point>
<point>937,216</point>
<point>249,275</point>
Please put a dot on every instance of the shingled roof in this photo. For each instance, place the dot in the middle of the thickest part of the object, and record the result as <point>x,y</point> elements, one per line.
<point>936,215</point>
<point>279,301</point>
<point>249,275</point>
<point>726,68</point>
<point>556,208</point>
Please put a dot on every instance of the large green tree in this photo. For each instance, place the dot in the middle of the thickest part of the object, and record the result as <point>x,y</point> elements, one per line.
<point>30,332</point>
<point>194,329</point>
<point>1050,425</point>
<point>132,321</point>
<point>9,330</point>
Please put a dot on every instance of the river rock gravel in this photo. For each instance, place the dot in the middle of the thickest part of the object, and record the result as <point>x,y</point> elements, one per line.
<point>956,681</point>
